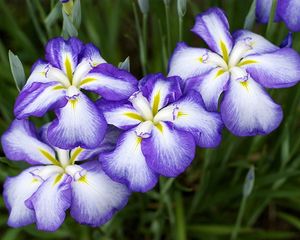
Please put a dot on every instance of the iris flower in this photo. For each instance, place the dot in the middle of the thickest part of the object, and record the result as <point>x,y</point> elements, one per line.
<point>56,182</point>
<point>162,128</point>
<point>56,85</point>
<point>239,66</point>
<point>287,10</point>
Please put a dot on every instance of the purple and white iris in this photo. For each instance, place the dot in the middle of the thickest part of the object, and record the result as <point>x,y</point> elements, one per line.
<point>162,128</point>
<point>287,10</point>
<point>58,181</point>
<point>57,83</point>
<point>239,66</point>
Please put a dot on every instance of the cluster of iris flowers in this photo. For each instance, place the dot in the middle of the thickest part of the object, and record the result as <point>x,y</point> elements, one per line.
<point>95,153</point>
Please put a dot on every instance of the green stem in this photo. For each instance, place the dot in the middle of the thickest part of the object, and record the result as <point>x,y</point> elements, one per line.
<point>237,226</point>
<point>180,20</point>
<point>167,9</point>
<point>180,218</point>
<point>269,31</point>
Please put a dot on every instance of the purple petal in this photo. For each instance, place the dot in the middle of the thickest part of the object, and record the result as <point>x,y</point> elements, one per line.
<point>79,123</point>
<point>169,151</point>
<point>212,26</point>
<point>110,82</point>
<point>160,90</point>
<point>247,110</point>
<point>289,10</point>
<point>50,202</point>
<point>95,197</point>
<point>92,54</point>
<point>275,70</point>
<point>127,164</point>
<point>39,98</point>
<point>263,10</point>
<point>20,142</point>
<point>287,41</point>
<point>64,54</point>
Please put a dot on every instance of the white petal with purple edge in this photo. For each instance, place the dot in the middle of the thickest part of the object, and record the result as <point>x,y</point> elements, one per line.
<point>79,123</point>
<point>50,202</point>
<point>109,82</point>
<point>212,26</point>
<point>247,110</point>
<point>64,54</point>
<point>120,114</point>
<point>127,164</point>
<point>95,197</point>
<point>38,74</point>
<point>188,62</point>
<point>39,98</point>
<point>20,143</point>
<point>168,151</point>
<point>16,191</point>
<point>205,126</point>
<point>210,86</point>
<point>257,43</point>
<point>278,69</point>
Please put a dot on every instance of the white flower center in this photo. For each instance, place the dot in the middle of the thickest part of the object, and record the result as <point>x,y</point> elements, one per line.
<point>234,60</point>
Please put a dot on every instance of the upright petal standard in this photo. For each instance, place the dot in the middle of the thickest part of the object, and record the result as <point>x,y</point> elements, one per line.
<point>239,67</point>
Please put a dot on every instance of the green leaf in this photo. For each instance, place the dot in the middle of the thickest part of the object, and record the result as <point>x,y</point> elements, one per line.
<point>54,15</point>
<point>76,14</point>
<point>250,18</point>
<point>69,29</point>
<point>125,64</point>
<point>249,182</point>
<point>17,70</point>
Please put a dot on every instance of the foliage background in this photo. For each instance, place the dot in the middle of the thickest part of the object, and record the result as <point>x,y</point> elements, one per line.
<point>207,201</point>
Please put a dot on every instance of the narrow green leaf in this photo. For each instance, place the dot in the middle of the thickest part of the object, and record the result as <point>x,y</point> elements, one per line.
<point>17,70</point>
<point>76,14</point>
<point>250,18</point>
<point>54,15</point>
<point>69,29</point>
<point>125,64</point>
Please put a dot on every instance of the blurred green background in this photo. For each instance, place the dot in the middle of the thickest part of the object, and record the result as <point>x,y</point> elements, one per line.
<point>207,201</point>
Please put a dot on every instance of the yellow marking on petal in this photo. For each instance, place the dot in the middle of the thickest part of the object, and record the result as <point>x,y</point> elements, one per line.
<point>246,62</point>
<point>83,179</point>
<point>245,85</point>
<point>134,116</point>
<point>57,179</point>
<point>49,157</point>
<point>200,59</point>
<point>156,102</point>
<point>224,51</point>
<point>159,127</point>
<point>73,102</point>
<point>75,154</point>
<point>138,141</point>
<point>219,73</point>
<point>181,114</point>
<point>86,81</point>
<point>68,68</point>
<point>35,180</point>
<point>43,73</point>
<point>58,87</point>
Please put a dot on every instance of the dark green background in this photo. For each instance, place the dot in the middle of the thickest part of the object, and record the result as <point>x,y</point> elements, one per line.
<point>204,202</point>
